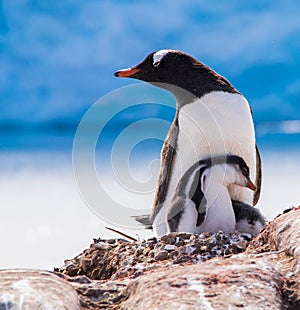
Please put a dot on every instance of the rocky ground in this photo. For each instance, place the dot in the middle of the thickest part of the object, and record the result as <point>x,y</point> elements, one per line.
<point>186,271</point>
<point>118,258</point>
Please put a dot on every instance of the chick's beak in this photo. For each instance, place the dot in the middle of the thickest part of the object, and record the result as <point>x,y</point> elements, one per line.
<point>127,72</point>
<point>251,185</point>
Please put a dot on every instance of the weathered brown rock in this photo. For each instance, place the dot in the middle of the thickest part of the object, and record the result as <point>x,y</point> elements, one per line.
<point>282,236</point>
<point>216,284</point>
<point>116,259</point>
<point>35,289</point>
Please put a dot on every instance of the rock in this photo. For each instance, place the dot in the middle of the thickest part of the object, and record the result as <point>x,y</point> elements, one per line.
<point>215,284</point>
<point>35,289</point>
<point>170,247</point>
<point>282,236</point>
<point>161,255</point>
<point>99,294</point>
<point>106,260</point>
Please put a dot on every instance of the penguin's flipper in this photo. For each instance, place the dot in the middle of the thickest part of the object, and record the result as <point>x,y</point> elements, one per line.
<point>258,177</point>
<point>174,212</point>
<point>144,220</point>
<point>167,156</point>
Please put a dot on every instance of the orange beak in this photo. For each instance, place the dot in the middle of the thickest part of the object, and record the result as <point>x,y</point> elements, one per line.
<point>251,185</point>
<point>126,72</point>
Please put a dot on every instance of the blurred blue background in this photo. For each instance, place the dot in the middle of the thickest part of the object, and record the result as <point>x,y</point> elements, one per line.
<point>58,57</point>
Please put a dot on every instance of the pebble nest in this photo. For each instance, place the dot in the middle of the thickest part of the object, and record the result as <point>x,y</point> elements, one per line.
<point>119,258</point>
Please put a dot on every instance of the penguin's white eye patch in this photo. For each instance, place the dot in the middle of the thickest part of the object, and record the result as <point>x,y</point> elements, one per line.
<point>158,56</point>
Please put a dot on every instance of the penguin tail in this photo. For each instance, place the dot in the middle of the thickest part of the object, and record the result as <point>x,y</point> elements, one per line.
<point>144,220</point>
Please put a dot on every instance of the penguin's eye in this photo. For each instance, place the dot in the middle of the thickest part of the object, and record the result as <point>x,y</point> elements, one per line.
<point>245,171</point>
<point>250,221</point>
<point>156,64</point>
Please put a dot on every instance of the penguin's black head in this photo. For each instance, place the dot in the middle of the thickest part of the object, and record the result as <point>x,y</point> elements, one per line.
<point>161,66</point>
<point>252,219</point>
<point>243,168</point>
<point>177,68</point>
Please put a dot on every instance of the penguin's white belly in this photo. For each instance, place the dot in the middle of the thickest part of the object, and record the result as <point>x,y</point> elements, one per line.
<point>188,219</point>
<point>219,216</point>
<point>219,123</point>
<point>218,219</point>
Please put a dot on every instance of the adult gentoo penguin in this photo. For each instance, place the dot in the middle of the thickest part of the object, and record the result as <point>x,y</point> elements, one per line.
<point>212,118</point>
<point>201,202</point>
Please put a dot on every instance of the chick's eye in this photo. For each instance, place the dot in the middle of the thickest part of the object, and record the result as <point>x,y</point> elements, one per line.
<point>250,222</point>
<point>245,171</point>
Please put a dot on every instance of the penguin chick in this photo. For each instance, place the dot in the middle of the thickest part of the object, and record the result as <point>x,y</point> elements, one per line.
<point>201,202</point>
<point>248,219</point>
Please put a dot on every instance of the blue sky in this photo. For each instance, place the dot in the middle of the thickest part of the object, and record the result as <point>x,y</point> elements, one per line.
<point>58,58</point>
